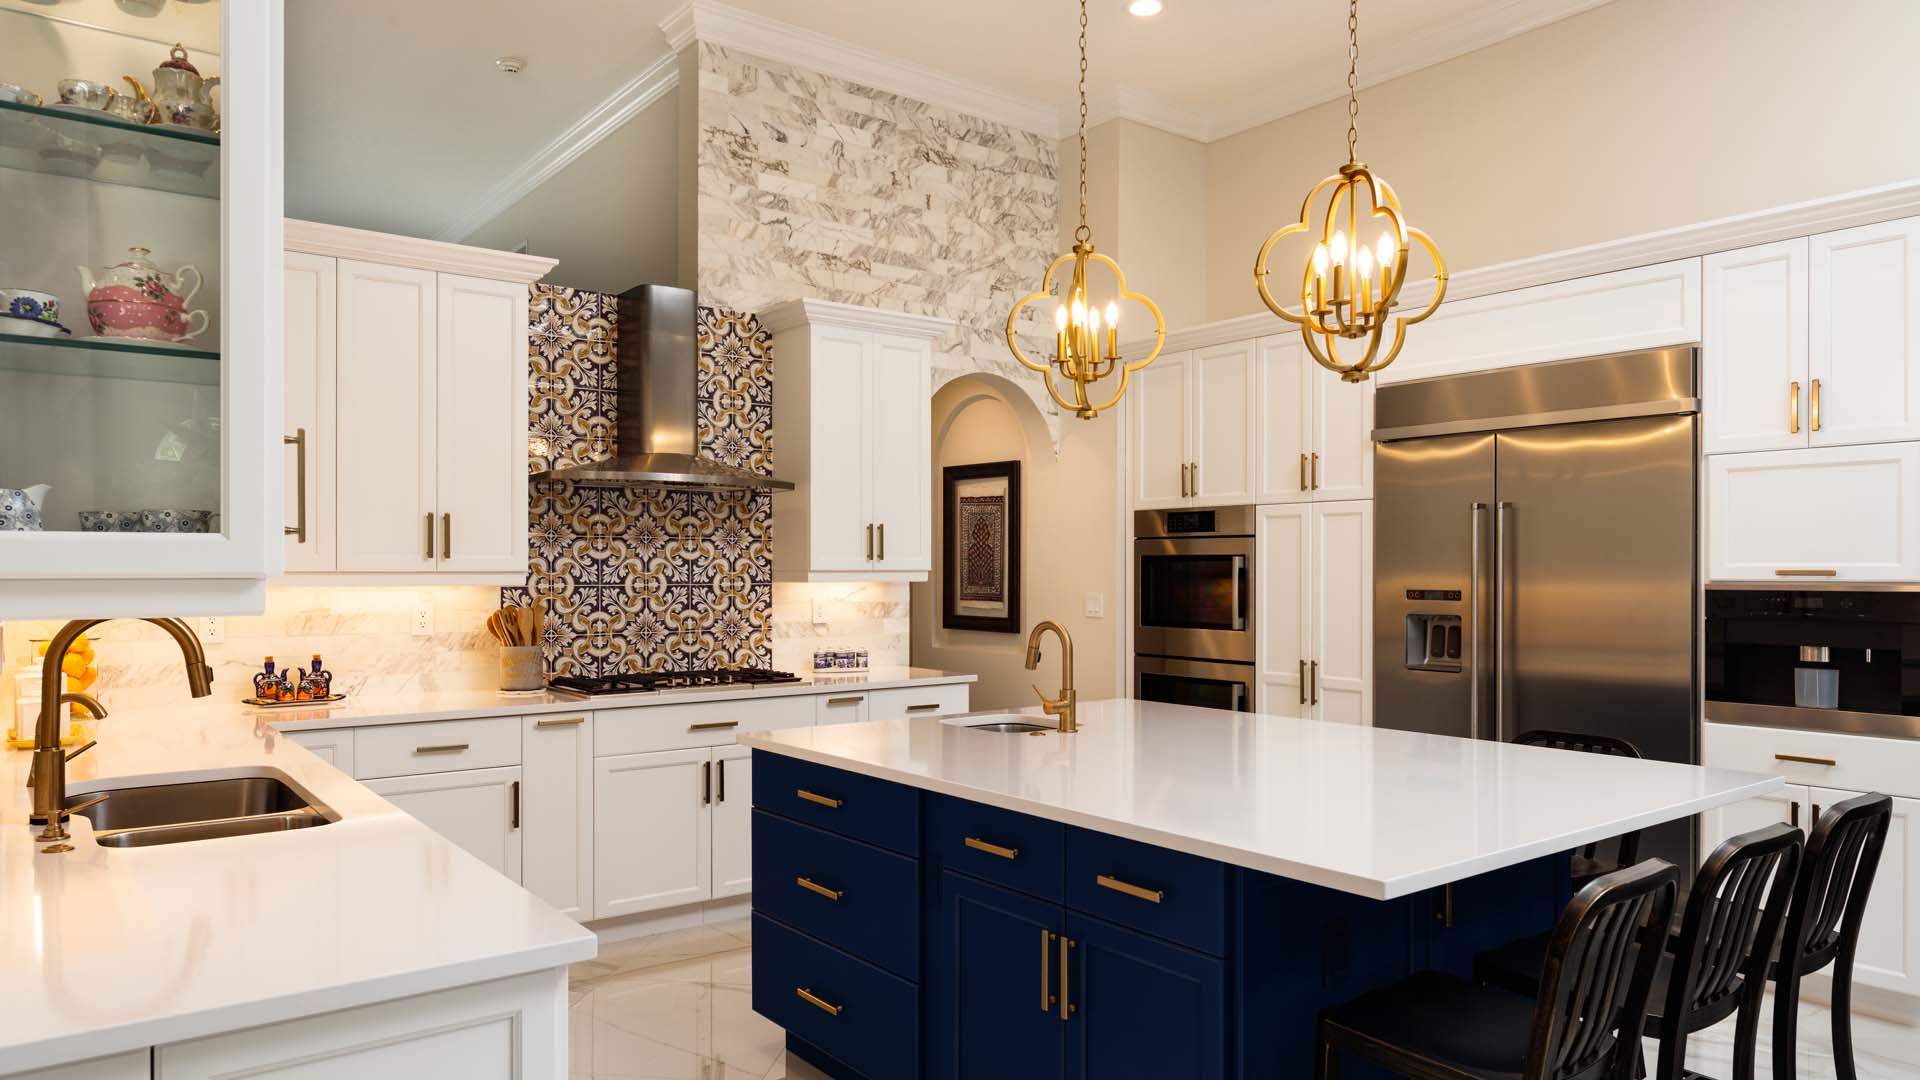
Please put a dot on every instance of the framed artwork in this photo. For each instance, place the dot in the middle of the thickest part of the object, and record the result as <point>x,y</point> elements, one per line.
<point>981,547</point>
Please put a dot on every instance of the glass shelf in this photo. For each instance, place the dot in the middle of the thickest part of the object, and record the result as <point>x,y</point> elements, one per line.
<point>109,358</point>
<point>93,145</point>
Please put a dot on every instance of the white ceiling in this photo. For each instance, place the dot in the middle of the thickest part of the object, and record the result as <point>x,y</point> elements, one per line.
<point>398,121</point>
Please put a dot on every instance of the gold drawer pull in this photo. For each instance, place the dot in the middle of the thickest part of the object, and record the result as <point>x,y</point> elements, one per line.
<point>831,804</point>
<point>1152,896</point>
<point>714,725</point>
<point>978,844</point>
<point>569,721</point>
<point>818,889</point>
<point>806,995</point>
<point>1806,573</point>
<point>1828,762</point>
<point>928,707</point>
<point>843,701</point>
<point>446,748</point>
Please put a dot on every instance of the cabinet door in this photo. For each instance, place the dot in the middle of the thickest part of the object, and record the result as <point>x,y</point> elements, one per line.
<point>1846,512</point>
<point>1225,402</point>
<point>732,821</point>
<point>310,309</point>
<point>478,809</point>
<point>1142,1008</point>
<point>1284,424</point>
<point>1889,952</point>
<point>1158,432</point>
<point>1283,618</point>
<point>334,746</point>
<point>386,433</point>
<point>1786,804</point>
<point>993,994</point>
<point>1866,299</point>
<point>842,467</point>
<point>1340,686</point>
<point>901,501</point>
<point>1753,348</point>
<point>1340,462</point>
<point>556,811</point>
<point>652,831</point>
<point>482,423</point>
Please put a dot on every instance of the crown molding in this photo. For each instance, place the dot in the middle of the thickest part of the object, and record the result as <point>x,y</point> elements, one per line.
<point>1141,107</point>
<point>788,314</point>
<point>732,28</point>
<point>601,121</point>
<point>340,242</point>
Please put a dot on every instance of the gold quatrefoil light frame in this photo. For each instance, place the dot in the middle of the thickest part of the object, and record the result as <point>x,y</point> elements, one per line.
<point>1084,371</point>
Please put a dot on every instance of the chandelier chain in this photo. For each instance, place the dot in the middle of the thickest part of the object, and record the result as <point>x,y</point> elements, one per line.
<point>1353,75</point>
<point>1083,233</point>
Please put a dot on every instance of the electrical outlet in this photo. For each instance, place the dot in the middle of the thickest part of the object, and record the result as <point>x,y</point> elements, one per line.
<point>1096,605</point>
<point>819,611</point>
<point>423,620</point>
<point>212,629</point>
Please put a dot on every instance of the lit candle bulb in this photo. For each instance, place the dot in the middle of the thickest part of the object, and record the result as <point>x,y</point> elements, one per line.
<point>1113,329</point>
<point>1363,288</point>
<point>1060,333</point>
<point>1319,276</point>
<point>1342,274</point>
<point>1339,251</point>
<point>1389,254</point>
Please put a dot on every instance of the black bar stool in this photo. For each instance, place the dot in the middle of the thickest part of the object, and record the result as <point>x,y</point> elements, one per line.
<point>1823,923</point>
<point>1587,864</point>
<point>1583,1022</point>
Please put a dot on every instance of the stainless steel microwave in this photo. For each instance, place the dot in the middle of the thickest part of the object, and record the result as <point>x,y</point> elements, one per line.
<point>1193,584</point>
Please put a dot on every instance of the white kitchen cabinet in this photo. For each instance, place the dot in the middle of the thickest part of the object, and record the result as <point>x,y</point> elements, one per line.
<point>1864,356</point>
<point>1889,952</point>
<point>1755,384</point>
<point>1157,411</point>
<point>840,708</point>
<point>410,371</point>
<point>653,828</point>
<point>333,745</point>
<point>1315,431</point>
<point>1787,804</point>
<point>490,1031</point>
<point>137,1065</point>
<point>855,390</point>
<point>1192,419</point>
<point>556,811</point>
<point>310,414</point>
<point>1850,513</point>
<point>732,821</point>
<point>478,809</point>
<point>898,703</point>
<point>1314,616</point>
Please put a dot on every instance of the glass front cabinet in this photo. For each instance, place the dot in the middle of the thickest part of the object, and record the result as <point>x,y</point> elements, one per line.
<point>141,441</point>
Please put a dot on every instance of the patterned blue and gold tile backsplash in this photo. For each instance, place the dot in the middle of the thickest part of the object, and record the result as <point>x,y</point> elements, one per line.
<point>632,579</point>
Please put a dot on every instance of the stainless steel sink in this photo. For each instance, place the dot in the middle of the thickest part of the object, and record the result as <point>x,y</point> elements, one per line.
<point>198,810</point>
<point>1005,723</point>
<point>1008,726</point>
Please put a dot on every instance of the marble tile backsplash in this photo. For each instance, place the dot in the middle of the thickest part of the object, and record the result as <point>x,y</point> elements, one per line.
<point>868,615</point>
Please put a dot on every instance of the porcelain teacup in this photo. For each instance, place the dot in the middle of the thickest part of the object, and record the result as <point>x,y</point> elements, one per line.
<point>30,304</point>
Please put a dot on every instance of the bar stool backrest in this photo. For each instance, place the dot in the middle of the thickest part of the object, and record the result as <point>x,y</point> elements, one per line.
<point>1599,970</point>
<point>1589,744</point>
<point>1830,897</point>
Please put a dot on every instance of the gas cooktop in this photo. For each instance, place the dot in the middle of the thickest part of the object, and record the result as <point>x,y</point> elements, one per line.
<point>643,682</point>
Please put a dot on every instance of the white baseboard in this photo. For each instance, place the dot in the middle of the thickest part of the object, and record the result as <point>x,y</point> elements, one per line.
<point>706,913</point>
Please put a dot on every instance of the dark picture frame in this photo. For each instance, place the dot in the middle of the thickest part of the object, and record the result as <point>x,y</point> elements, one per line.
<point>980,588</point>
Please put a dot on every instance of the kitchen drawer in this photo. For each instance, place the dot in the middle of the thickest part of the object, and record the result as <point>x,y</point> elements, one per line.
<point>838,801</point>
<point>1860,762</point>
<point>649,728</point>
<point>1012,849</point>
<point>440,746</point>
<point>839,708</point>
<point>942,699</point>
<point>1188,895</point>
<point>856,896</point>
<point>848,1008</point>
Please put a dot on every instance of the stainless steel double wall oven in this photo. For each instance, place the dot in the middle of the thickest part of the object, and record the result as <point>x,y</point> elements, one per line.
<point>1193,582</point>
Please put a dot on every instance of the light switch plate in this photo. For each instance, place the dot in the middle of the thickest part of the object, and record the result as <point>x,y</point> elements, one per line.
<point>211,629</point>
<point>819,611</point>
<point>1096,605</point>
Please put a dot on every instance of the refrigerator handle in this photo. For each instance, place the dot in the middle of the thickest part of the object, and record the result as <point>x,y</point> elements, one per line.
<point>1473,622</point>
<point>1500,510</point>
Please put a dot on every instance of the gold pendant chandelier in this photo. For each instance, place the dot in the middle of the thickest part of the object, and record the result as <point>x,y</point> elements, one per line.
<point>1079,357</point>
<point>1349,288</point>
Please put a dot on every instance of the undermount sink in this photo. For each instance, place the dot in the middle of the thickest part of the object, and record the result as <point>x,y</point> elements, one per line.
<point>1004,723</point>
<point>195,810</point>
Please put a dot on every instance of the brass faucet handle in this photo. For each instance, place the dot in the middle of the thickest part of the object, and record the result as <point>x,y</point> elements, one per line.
<point>1047,705</point>
<point>81,749</point>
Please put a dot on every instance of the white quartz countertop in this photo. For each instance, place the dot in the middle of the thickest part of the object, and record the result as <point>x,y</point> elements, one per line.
<point>105,950</point>
<point>1371,811</point>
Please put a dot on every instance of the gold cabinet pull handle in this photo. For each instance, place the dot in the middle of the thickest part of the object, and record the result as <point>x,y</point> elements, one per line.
<point>1046,980</point>
<point>1183,479</point>
<point>1316,471</point>
<point>714,725</point>
<point>882,557</point>
<point>1816,404</point>
<point>567,721</point>
<point>442,748</point>
<point>429,537</point>
<point>1151,896</point>
<point>928,707</point>
<point>1303,472</point>
<point>513,813</point>
<point>298,440</point>
<point>1303,682</point>
<point>1313,682</point>
<point>1066,997</point>
<point>1802,760</point>
<point>1793,813</point>
<point>446,536</point>
<point>831,804</point>
<point>818,889</point>
<point>1793,408</point>
<point>838,701</point>
<point>869,541</point>
<point>1806,573</point>
<point>978,844</point>
<point>1193,474</point>
<point>806,995</point>
<point>720,780</point>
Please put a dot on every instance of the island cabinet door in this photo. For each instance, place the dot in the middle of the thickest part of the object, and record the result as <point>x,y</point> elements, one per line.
<point>993,1006</point>
<point>1140,1007</point>
<point>1496,908</point>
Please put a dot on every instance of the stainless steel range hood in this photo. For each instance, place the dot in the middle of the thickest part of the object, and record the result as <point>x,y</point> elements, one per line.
<point>657,375</point>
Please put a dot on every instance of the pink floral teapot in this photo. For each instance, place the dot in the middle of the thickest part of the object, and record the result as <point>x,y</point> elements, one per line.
<point>136,299</point>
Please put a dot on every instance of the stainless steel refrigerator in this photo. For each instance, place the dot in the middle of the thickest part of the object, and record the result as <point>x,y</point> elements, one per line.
<point>1536,554</point>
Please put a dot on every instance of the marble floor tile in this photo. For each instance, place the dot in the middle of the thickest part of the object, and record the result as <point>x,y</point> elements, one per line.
<point>1883,1050</point>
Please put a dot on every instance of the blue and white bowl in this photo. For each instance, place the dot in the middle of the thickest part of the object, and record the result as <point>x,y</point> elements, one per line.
<point>31,304</point>
<point>20,508</point>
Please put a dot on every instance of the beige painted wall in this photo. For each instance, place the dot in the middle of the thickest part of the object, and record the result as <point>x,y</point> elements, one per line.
<point>1067,549</point>
<point>1636,116</point>
<point>612,215</point>
<point>1146,204</point>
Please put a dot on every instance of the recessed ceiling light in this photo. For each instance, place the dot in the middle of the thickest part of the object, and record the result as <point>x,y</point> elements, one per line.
<point>510,64</point>
<point>1143,8</point>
